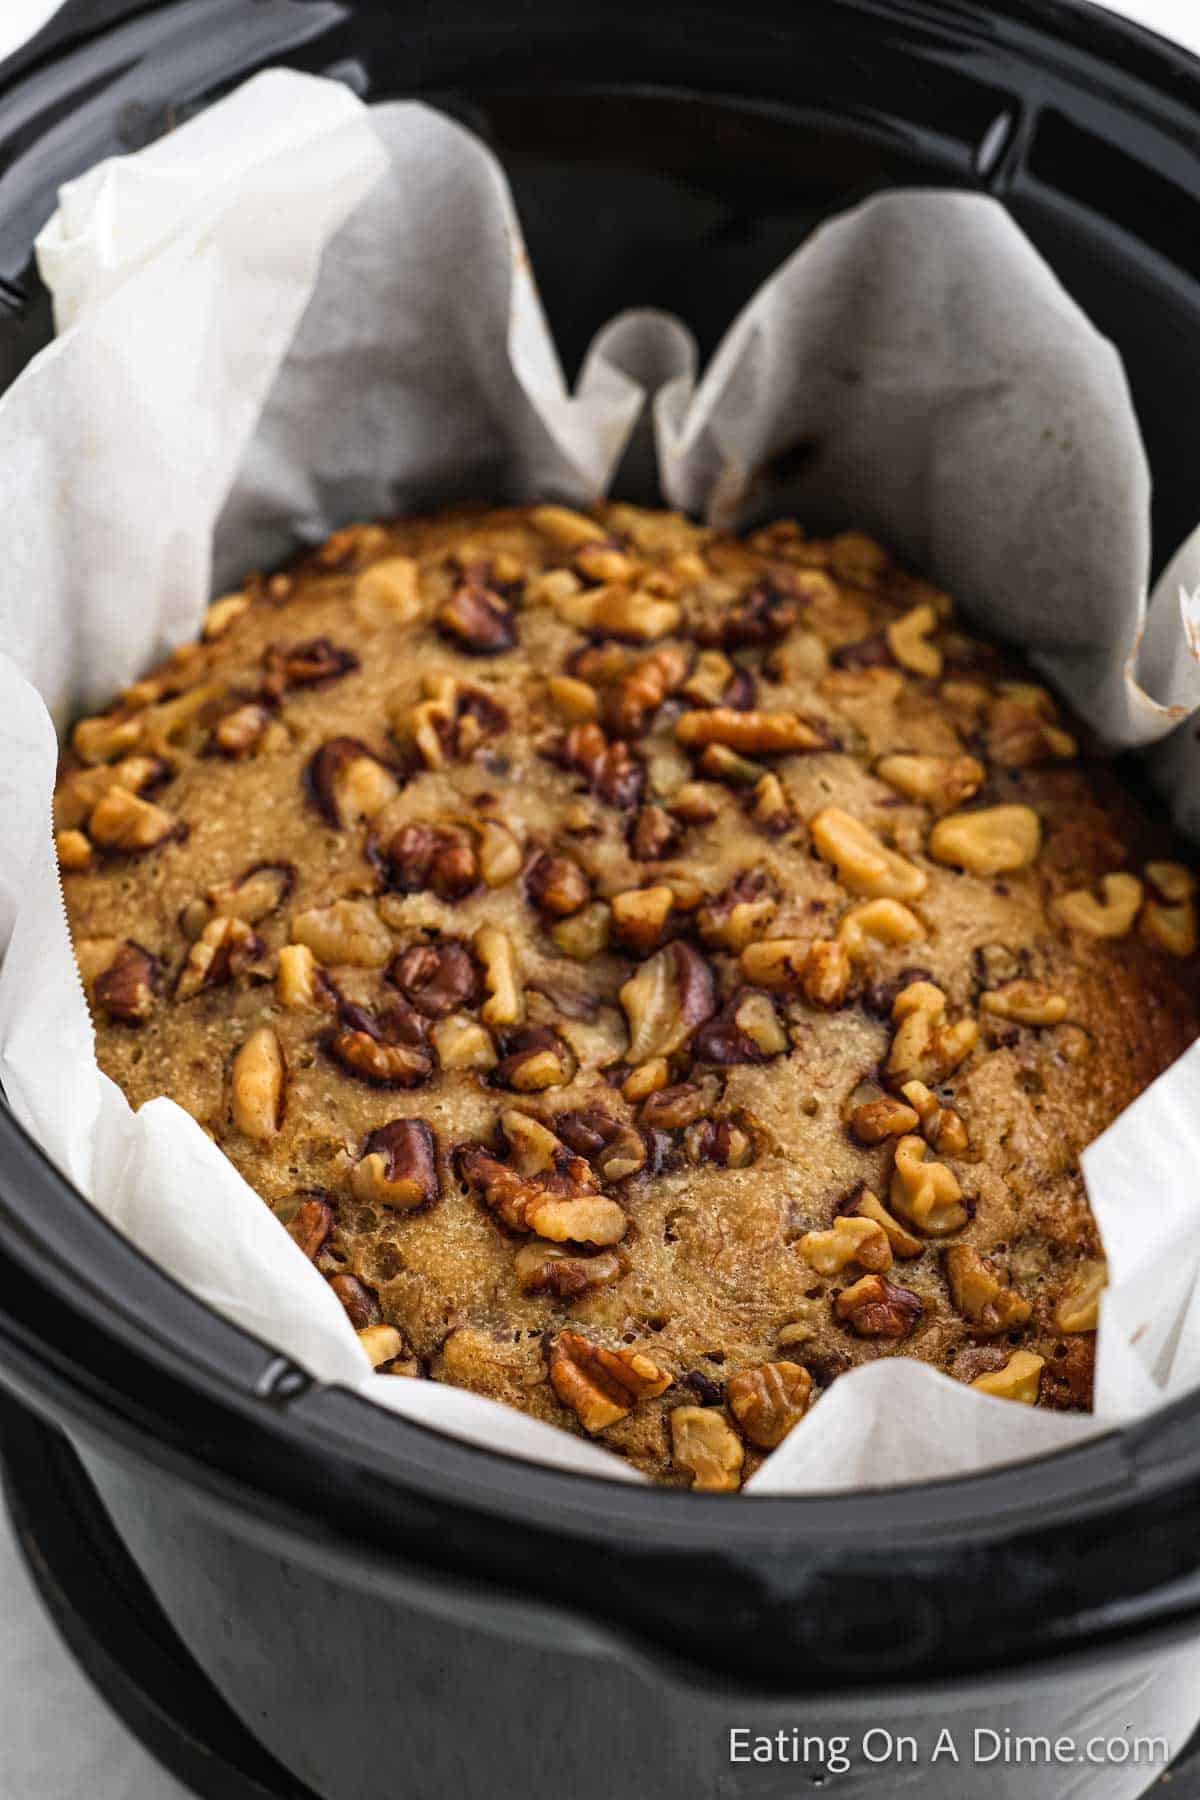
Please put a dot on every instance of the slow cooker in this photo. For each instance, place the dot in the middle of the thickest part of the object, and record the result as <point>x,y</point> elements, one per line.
<point>289,1593</point>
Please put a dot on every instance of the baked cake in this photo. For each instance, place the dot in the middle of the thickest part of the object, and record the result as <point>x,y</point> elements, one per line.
<point>649,972</point>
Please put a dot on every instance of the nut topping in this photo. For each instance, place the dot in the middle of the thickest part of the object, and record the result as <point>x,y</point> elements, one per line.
<point>1169,916</point>
<point>222,950</point>
<point>544,1268</point>
<point>382,1343</point>
<point>612,770</point>
<point>761,733</point>
<point>1078,1307</point>
<point>1112,916</point>
<point>479,622</point>
<point>876,1120</point>
<point>120,821</point>
<point>621,612</point>
<point>540,1205</point>
<point>849,1240</point>
<point>884,922</point>
<point>558,886</point>
<point>708,1448</point>
<point>311,1224</point>
<point>925,1193</point>
<point>349,932</point>
<point>925,1048</point>
<point>908,641</point>
<point>639,916</point>
<point>614,1150</point>
<point>252,897</point>
<point>533,1060</point>
<point>876,1307</point>
<point>398,1166</point>
<point>1025,1002</point>
<point>388,592</point>
<point>670,995</point>
<point>387,1049</point>
<point>1017,1380</point>
<point>942,782</point>
<point>257,1082</point>
<point>768,1400</point>
<point>569,530</point>
<point>979,1293</point>
<point>762,617</point>
<point>463,1043</point>
<point>348,782</point>
<point>601,1386</point>
<point>438,979</point>
<point>505,1003</point>
<point>867,1205</point>
<point>863,864</point>
<point>826,977</point>
<point>747,1030</point>
<point>439,858</point>
<point>993,841</point>
<point>124,989</point>
<point>299,980</point>
<point>303,665</point>
<point>645,687</point>
<point>941,1127</point>
<point>243,730</point>
<point>361,1306</point>
<point>1021,729</point>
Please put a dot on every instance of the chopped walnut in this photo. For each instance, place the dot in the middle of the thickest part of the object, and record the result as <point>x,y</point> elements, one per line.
<point>545,1268</point>
<point>613,1150</point>
<point>348,931</point>
<point>644,687</point>
<point>674,1108</point>
<point>724,1142</point>
<point>437,979</point>
<point>463,1043</point>
<point>349,782</point>
<point>926,1048</point>
<point>121,821</point>
<point>532,1060</point>
<point>736,917</point>
<point>439,858</point>
<point>479,622</point>
<point>312,1223</point>
<point>601,1386</point>
<point>775,963</point>
<point>764,616</point>
<point>499,854</point>
<point>1078,1306</point>
<point>252,897</point>
<point>303,665</point>
<point>558,886</point>
<point>942,782</point>
<point>505,1003</point>
<point>623,612</point>
<point>585,934</point>
<point>299,979</point>
<point>941,1127</point>
<point>567,529</point>
<point>382,1343</point>
<point>669,996</point>
<point>706,1446</point>
<point>398,1166</point>
<point>223,949</point>
<point>876,1120</point>
<point>576,700</point>
<point>124,982</point>
<point>612,770</point>
<point>221,615</point>
<point>73,850</point>
<point>746,1030</point>
<point>653,835</point>
<point>1019,1379</point>
<point>1021,728</point>
<point>388,592</point>
<point>908,640</point>
<point>885,922</point>
<point>876,1307</point>
<point>1025,1002</point>
<point>387,1049</point>
<point>925,1193</point>
<point>863,864</point>
<point>867,1205</point>
<point>825,980</point>
<point>1112,916</point>
<point>995,840</point>
<point>760,733</point>
<point>1169,915</point>
<point>979,1293</point>
<point>768,1400</point>
<point>848,1240</point>
<point>359,1302</point>
<point>257,1081</point>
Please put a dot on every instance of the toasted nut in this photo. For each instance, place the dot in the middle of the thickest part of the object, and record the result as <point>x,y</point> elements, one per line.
<point>312,1223</point>
<point>382,1343</point>
<point>224,947</point>
<point>359,1302</point>
<point>120,821</point>
<point>73,850</point>
<point>644,688</point>
<point>708,1448</point>
<point>763,733</point>
<point>755,1017</point>
<point>558,886</point>
<point>435,978</point>
<point>613,772</point>
<point>857,559</point>
<point>348,931</point>
<point>884,922</point>
<point>747,1030</point>
<point>499,854</point>
<point>669,996</point>
<point>623,612</point>
<point>601,1386</point>
<point>585,934</point>
<point>775,963</point>
<point>575,700</point>
<point>1169,917</point>
<point>505,1003</point>
<point>720,763</point>
<point>653,835</point>
<point>770,806</point>
<point>723,1142</point>
<point>925,1048</point>
<point>388,592</point>
<point>979,1292</point>
<point>463,1043</point>
<point>762,617</point>
<point>768,1400</point>
<point>941,1127</point>
<point>121,977</point>
<point>1017,1380</point>
<point>243,730</point>
<point>605,562</point>
<point>908,641</point>
<point>569,530</point>
<point>1026,1002</point>
<point>551,586</point>
<point>222,613</point>
<point>639,915</point>
<point>649,1078</point>
<point>736,918</point>
<point>257,1083</point>
<point>104,739</point>
<point>478,621</point>
<point>1020,734</point>
<point>301,665</point>
<point>387,1049</point>
<point>533,1060</point>
<point>254,895</point>
<point>348,781</point>
<point>925,1193</point>
<point>868,1206</point>
<point>709,679</point>
<point>1078,1307</point>
<point>398,1166</point>
<point>614,1150</point>
<point>298,978</point>
<point>1110,917</point>
<point>673,1108</point>
<point>826,977</point>
<point>696,802</point>
<point>849,1240</point>
<point>77,794</point>
<point>875,1307</point>
<point>863,864</point>
<point>942,782</point>
<point>545,1268</point>
<point>876,1120</point>
<point>993,841</point>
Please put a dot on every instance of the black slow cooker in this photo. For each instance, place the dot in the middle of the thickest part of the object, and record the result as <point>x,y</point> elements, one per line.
<point>334,1602</point>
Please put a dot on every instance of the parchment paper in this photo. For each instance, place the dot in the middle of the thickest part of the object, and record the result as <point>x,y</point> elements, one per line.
<point>294,312</point>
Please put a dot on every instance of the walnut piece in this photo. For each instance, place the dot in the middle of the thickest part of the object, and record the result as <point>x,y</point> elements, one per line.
<point>388,592</point>
<point>760,733</point>
<point>670,995</point>
<point>941,782</point>
<point>601,1386</point>
<point>478,621</point>
<point>927,1194</point>
<point>348,782</point>
<point>1017,1380</point>
<point>505,1003</point>
<point>224,947</point>
<point>438,979</point>
<point>526,1203</point>
<point>926,1048</point>
<point>867,1205</point>
<point>908,640</point>
<point>124,988</point>
<point>1025,1002</point>
<point>941,1127</point>
<point>546,1268</point>
<point>979,1292</point>
<point>312,1223</point>
<point>387,1049</point>
<point>398,1166</point>
<point>708,1448</point>
<point>1169,915</point>
<point>876,1307</point>
<point>768,1400</point>
<point>863,864</point>
<point>876,1120</point>
<point>849,1240</point>
<point>461,1042</point>
<point>348,931</point>
<point>871,922</point>
<point>121,821</point>
<point>995,840</point>
<point>1112,916</point>
<point>1078,1306</point>
<point>558,886</point>
<point>257,1084</point>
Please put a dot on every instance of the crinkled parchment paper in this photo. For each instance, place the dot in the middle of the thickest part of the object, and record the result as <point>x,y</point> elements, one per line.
<point>265,331</point>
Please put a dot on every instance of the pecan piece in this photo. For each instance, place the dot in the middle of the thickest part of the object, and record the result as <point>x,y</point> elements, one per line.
<point>612,771</point>
<point>398,1166</point>
<point>478,621</point>
<point>760,733</point>
<point>765,615</point>
<point>255,894</point>
<point>876,1307</point>
<point>125,989</point>
<point>387,1049</point>
<point>361,1303</point>
<point>614,1150</point>
<point>438,979</point>
<point>349,782</point>
<point>670,995</point>
<point>441,858</point>
<point>645,687</point>
<point>558,886</point>
<point>312,1222</point>
<point>768,1400</point>
<point>545,1268</point>
<point>533,1060</point>
<point>303,665</point>
<point>601,1386</point>
<point>223,949</point>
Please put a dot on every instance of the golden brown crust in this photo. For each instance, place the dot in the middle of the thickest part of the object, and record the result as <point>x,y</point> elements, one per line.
<point>597,936</point>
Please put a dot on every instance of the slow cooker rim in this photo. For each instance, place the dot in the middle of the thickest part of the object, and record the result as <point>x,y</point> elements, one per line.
<point>266,1391</point>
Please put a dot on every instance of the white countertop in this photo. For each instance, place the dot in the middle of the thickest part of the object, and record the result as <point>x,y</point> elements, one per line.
<point>57,1740</point>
